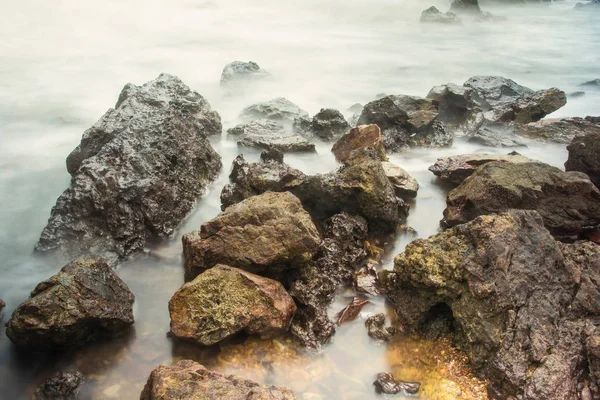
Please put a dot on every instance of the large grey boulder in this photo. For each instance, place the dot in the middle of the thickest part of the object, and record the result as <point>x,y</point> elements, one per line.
<point>240,72</point>
<point>266,134</point>
<point>136,173</point>
<point>279,109</point>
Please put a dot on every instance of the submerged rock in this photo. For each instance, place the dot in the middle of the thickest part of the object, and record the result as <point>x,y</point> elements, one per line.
<point>456,169</point>
<point>361,137</point>
<point>432,14</point>
<point>61,386</point>
<point>329,124</point>
<point>224,301</point>
<point>594,83</point>
<point>558,130</point>
<point>266,134</point>
<point>584,156</point>
<point>268,234</point>
<point>85,301</point>
<point>568,202</point>
<point>136,173</point>
<point>191,381</point>
<point>405,186</point>
<point>279,109</point>
<point>241,71</point>
<point>386,383</point>
<point>406,121</point>
<point>376,328</point>
<point>522,304</point>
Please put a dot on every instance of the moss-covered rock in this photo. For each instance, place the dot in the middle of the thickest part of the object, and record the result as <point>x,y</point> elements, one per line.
<point>224,301</point>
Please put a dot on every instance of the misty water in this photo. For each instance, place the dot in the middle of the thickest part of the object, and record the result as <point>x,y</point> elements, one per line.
<point>63,64</point>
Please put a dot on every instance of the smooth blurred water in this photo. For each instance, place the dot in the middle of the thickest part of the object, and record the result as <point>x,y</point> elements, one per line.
<point>63,64</point>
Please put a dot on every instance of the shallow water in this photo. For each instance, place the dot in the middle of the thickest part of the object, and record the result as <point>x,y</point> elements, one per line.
<point>63,64</point>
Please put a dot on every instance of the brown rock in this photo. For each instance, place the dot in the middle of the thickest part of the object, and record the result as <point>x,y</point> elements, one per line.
<point>405,186</point>
<point>584,156</point>
<point>359,137</point>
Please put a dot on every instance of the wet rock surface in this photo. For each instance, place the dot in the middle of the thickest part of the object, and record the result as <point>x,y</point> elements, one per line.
<point>365,280</point>
<point>406,121</point>
<point>190,380</point>
<point>559,131</point>
<point>61,386</point>
<point>136,173</point>
<point>496,136</point>
<point>523,304</point>
<point>266,134</point>
<point>456,169</point>
<point>267,234</point>
<point>568,202</point>
<point>241,71</point>
<point>2,305</point>
<point>432,14</point>
<point>279,109</point>
<point>385,383</point>
<point>224,301</point>
<point>376,328</point>
<point>405,186</point>
<point>361,137</point>
<point>584,156</point>
<point>329,124</point>
<point>84,301</point>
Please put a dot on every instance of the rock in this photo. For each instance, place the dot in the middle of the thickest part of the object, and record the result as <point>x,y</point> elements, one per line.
<point>351,311</point>
<point>595,83</point>
<point>584,156</point>
<point>363,136</point>
<point>271,154</point>
<point>406,121</point>
<point>2,305</point>
<point>266,134</point>
<point>136,173</point>
<point>279,109</point>
<point>189,380</point>
<point>376,328</point>
<point>453,101</point>
<point>302,125</point>
<point>365,281</point>
<point>576,94</point>
<point>494,91</point>
<point>240,71</point>
<point>333,267</point>
<point>521,302</point>
<point>405,186</point>
<point>84,301</point>
<point>61,386</point>
<point>432,14</point>
<point>586,6</point>
<point>558,130</point>
<point>567,201</point>
<point>267,234</point>
<point>224,301</point>
<point>386,383</point>
<point>329,124</point>
<point>465,6</point>
<point>456,169</point>
<point>495,136</point>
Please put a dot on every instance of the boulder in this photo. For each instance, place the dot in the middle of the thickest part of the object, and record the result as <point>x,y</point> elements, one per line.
<point>522,304</point>
<point>329,124</point>
<point>405,186</point>
<point>61,386</point>
<point>454,103</point>
<point>267,234</point>
<point>363,136</point>
<point>432,14</point>
<point>455,169</point>
<point>495,136</point>
<point>191,381</point>
<point>465,6</point>
<point>279,109</point>
<point>558,130</point>
<point>136,173</point>
<point>406,121</point>
<point>584,156</point>
<point>266,134</point>
<point>84,301</point>
<point>493,91</point>
<point>568,202</point>
<point>376,328</point>
<point>2,305</point>
<point>241,71</point>
<point>224,301</point>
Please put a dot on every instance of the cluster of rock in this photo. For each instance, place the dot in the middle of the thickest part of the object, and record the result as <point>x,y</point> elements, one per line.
<point>459,9</point>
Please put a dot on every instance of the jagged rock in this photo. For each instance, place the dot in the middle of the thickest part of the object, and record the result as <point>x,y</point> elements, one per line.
<point>329,124</point>
<point>465,6</point>
<point>456,169</point>
<point>432,14</point>
<point>522,303</point>
<point>376,328</point>
<point>224,301</point>
<point>405,186</point>
<point>365,280</point>
<point>267,234</point>
<point>333,267</point>
<point>61,386</point>
<point>568,202</point>
<point>266,134</point>
<point>83,302</point>
<point>453,101</point>
<point>136,173</point>
<point>584,156</point>
<point>271,154</point>
<point>594,83</point>
<point>302,125</point>
<point>279,109</point>
<point>363,136</point>
<point>495,136</point>
<point>558,130</point>
<point>240,71</point>
<point>406,121</point>
<point>191,381</point>
<point>386,383</point>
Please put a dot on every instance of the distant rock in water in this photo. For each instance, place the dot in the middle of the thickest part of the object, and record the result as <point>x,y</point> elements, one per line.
<point>584,156</point>
<point>265,134</point>
<point>595,83</point>
<point>587,6</point>
<point>432,14</point>
<point>279,109</point>
<point>61,386</point>
<point>191,381</point>
<point>85,301</point>
<point>329,124</point>
<point>465,6</point>
<point>241,71</point>
<point>136,173</point>
<point>2,305</point>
